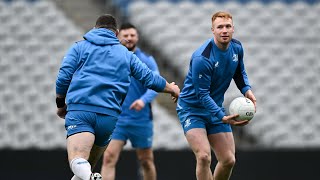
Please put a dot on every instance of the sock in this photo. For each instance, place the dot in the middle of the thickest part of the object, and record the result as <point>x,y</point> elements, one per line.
<point>75,178</point>
<point>81,168</point>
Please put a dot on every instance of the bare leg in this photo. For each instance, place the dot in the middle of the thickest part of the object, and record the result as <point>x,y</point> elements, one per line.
<point>79,146</point>
<point>95,155</point>
<point>224,149</point>
<point>146,159</point>
<point>200,146</point>
<point>110,159</point>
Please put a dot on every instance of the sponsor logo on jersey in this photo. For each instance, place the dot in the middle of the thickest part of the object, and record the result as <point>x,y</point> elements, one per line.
<point>71,127</point>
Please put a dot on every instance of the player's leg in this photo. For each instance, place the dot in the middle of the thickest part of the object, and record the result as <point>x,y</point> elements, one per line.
<point>80,138</point>
<point>194,126</point>
<point>224,149</point>
<point>141,137</point>
<point>79,146</point>
<point>198,141</point>
<point>146,160</point>
<point>104,128</point>
<point>84,129</point>
<point>110,159</point>
<point>94,157</point>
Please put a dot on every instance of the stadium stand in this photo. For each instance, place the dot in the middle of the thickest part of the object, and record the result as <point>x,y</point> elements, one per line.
<point>34,37</point>
<point>281,44</point>
<point>281,50</point>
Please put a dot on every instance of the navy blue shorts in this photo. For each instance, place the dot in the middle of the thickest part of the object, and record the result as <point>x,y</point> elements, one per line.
<point>198,118</point>
<point>140,135</point>
<point>101,125</point>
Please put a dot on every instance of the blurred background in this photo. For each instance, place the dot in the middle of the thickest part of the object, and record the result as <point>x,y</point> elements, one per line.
<point>282,49</point>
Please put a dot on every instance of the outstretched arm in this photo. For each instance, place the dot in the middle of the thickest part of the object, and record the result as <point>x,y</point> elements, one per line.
<point>149,79</point>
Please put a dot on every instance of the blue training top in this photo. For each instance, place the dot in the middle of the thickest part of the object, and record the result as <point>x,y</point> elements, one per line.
<point>138,91</point>
<point>96,73</point>
<point>210,74</point>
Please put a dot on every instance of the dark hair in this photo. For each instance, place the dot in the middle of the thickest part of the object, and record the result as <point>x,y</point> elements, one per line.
<point>106,21</point>
<point>127,26</point>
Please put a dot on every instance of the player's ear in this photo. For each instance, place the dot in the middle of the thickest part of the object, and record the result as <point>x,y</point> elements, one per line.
<point>117,32</point>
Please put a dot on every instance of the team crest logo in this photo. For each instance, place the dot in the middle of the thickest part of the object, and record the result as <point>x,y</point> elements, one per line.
<point>216,64</point>
<point>187,123</point>
<point>235,57</point>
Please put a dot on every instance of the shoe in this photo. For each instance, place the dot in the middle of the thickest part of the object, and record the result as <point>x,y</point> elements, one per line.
<point>96,176</point>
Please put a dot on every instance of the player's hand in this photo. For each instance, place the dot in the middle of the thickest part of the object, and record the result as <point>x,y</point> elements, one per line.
<point>137,105</point>
<point>124,41</point>
<point>249,95</point>
<point>175,93</point>
<point>231,120</point>
<point>61,112</point>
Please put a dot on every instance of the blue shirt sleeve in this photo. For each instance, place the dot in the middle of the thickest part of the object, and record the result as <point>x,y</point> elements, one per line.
<point>148,78</point>
<point>149,95</point>
<point>240,77</point>
<point>68,67</point>
<point>201,77</point>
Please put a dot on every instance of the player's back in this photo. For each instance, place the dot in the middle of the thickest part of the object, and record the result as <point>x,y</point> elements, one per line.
<point>102,75</point>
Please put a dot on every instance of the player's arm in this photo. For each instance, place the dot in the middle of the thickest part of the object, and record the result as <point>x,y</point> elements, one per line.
<point>150,94</point>
<point>66,71</point>
<point>201,77</point>
<point>151,80</point>
<point>241,79</point>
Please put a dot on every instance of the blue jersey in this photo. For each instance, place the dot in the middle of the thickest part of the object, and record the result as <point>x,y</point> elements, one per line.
<point>138,91</point>
<point>210,74</point>
<point>95,74</point>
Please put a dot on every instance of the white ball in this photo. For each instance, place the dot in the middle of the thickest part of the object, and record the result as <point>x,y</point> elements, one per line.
<point>242,106</point>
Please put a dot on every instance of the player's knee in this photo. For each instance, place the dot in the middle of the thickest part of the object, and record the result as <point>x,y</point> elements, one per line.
<point>146,163</point>
<point>109,158</point>
<point>229,162</point>
<point>204,158</point>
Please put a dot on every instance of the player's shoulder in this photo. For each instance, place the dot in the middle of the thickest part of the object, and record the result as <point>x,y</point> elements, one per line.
<point>79,42</point>
<point>144,56</point>
<point>204,51</point>
<point>143,53</point>
<point>236,42</point>
<point>77,45</point>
